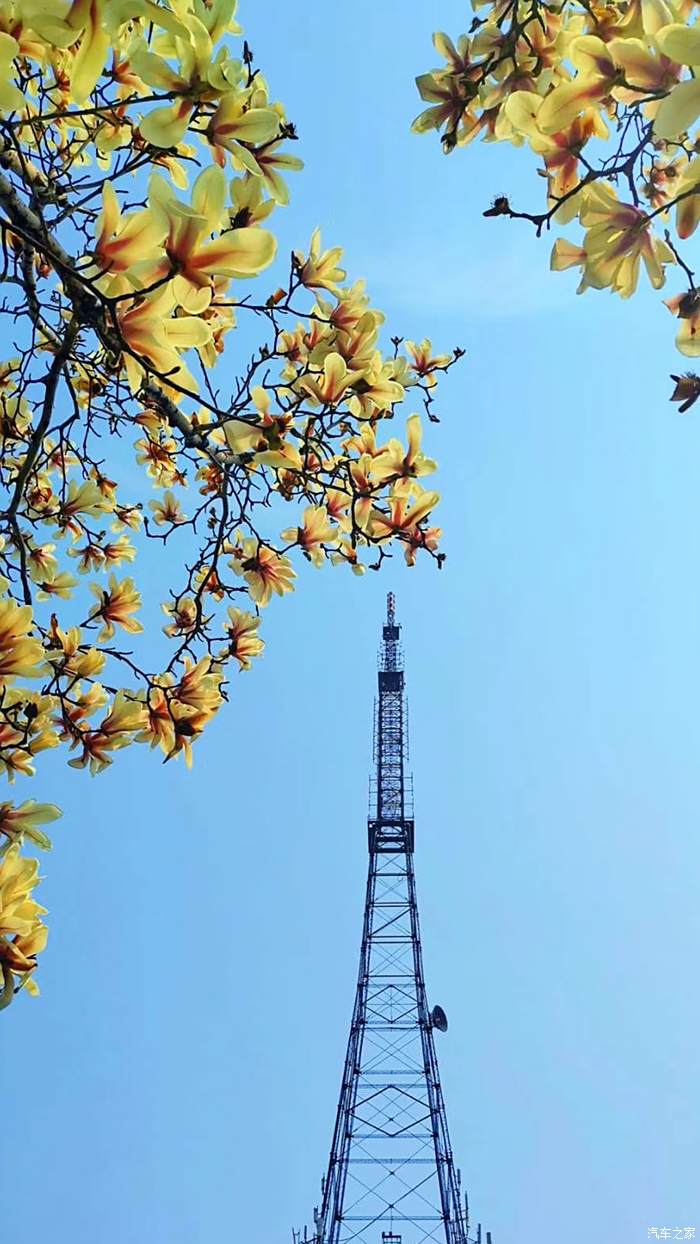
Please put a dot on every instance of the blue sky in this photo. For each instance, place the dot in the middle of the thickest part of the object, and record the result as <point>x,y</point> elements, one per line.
<point>177,1081</point>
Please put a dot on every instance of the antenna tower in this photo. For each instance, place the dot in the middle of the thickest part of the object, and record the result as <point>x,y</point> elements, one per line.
<point>391,1177</point>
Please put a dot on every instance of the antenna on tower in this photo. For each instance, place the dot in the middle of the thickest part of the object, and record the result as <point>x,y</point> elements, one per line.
<point>391,609</point>
<point>438,1019</point>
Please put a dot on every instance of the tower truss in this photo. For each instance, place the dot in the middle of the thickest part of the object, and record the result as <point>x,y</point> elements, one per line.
<point>391,1177</point>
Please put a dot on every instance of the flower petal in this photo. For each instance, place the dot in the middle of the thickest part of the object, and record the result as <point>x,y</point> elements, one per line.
<point>678,110</point>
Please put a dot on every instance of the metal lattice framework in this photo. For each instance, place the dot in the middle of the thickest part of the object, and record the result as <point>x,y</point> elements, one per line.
<point>391,1177</point>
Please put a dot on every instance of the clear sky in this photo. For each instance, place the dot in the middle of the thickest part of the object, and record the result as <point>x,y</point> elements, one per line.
<point>176,1083</point>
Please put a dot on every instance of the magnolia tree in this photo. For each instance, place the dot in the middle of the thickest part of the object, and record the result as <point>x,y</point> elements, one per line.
<point>606,96</point>
<point>142,160</point>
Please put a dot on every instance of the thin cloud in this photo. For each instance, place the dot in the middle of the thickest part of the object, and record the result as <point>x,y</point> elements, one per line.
<point>446,277</point>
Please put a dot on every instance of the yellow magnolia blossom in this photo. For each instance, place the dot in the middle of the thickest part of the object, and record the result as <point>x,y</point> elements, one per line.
<point>687,190</point>
<point>193,701</point>
<point>408,507</point>
<point>451,94</point>
<point>22,932</point>
<point>332,384</point>
<point>195,262</point>
<point>21,655</point>
<point>124,245</point>
<point>24,821</point>
<point>198,74</point>
<point>561,150</point>
<point>425,363</point>
<point>378,390</point>
<point>116,606</point>
<point>681,107</point>
<point>154,336</point>
<point>618,236</point>
<point>118,729</point>
<point>59,585</point>
<point>396,463</point>
<point>315,531</point>
<point>624,68</point>
<point>270,160</point>
<point>80,26</point>
<point>10,95</point>
<point>320,269</point>
<point>364,489</point>
<point>84,500</point>
<point>265,571</point>
<point>167,511</point>
<point>249,206</point>
<point>347,554</point>
<point>244,641</point>
<point>687,308</point>
<point>41,562</point>
<point>337,504</point>
<point>233,126</point>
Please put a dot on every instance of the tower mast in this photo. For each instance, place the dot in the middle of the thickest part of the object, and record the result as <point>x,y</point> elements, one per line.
<point>391,1177</point>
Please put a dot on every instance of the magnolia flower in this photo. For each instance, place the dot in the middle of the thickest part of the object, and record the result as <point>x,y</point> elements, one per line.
<point>233,125</point>
<point>176,713</point>
<point>249,206</point>
<point>424,362</point>
<point>264,571</point>
<point>118,729</point>
<point>184,617</point>
<point>167,511</point>
<point>155,338</point>
<point>79,25</point>
<point>329,387</point>
<point>687,189</point>
<point>125,245</point>
<point>61,585</point>
<point>20,655</point>
<point>22,933</point>
<point>681,107</point>
<point>561,151</point>
<point>41,562</point>
<point>337,504</point>
<point>21,822</point>
<point>421,538</point>
<point>451,92</point>
<point>407,508</point>
<point>346,554</point>
<point>320,269</point>
<point>10,95</point>
<point>269,160</point>
<point>315,530</point>
<point>687,308</point>
<point>244,641</point>
<point>189,255</point>
<point>394,462</point>
<point>378,390</point>
<point>116,606</point>
<point>198,73</point>
<point>84,499</point>
<point>618,236</point>
<point>364,487</point>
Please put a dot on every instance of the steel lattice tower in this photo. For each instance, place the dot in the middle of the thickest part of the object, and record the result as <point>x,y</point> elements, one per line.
<point>391,1177</point>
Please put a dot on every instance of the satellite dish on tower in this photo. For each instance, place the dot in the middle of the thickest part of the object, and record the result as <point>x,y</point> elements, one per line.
<point>438,1019</point>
